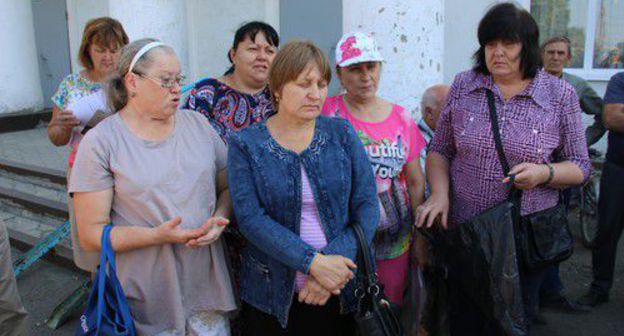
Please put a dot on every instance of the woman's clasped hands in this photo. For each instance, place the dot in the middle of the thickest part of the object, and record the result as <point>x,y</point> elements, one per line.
<point>329,274</point>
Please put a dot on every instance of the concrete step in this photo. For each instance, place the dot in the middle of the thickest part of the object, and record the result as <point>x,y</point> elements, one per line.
<point>23,120</point>
<point>39,190</point>
<point>33,204</point>
<point>27,228</point>
<point>26,170</point>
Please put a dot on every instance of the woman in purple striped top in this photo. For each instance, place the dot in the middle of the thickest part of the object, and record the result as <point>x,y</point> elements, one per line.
<point>542,135</point>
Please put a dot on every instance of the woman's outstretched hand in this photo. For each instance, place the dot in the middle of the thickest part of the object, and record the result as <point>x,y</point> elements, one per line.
<point>212,230</point>
<point>169,232</point>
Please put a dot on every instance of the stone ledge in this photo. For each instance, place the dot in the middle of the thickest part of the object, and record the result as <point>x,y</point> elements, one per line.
<point>54,175</point>
<point>22,120</point>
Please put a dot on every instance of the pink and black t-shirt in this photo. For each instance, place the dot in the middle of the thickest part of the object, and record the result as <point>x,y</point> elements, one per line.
<point>390,145</point>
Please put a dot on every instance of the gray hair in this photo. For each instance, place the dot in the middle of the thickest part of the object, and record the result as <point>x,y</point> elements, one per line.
<point>117,94</point>
<point>432,97</point>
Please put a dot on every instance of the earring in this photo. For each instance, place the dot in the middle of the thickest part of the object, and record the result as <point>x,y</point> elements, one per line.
<point>132,94</point>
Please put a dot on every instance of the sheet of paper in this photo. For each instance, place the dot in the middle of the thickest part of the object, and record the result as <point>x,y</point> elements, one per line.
<point>90,109</point>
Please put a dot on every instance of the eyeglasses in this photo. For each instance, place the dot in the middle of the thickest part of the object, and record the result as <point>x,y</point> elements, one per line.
<point>166,83</point>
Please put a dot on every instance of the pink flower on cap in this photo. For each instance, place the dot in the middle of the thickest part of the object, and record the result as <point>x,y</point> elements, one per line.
<point>348,51</point>
<point>355,48</point>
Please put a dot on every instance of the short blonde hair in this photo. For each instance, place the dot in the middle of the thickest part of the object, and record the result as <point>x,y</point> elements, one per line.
<point>292,60</point>
<point>103,31</point>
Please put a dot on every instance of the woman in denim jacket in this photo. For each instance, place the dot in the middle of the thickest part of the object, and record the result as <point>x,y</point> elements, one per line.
<point>298,181</point>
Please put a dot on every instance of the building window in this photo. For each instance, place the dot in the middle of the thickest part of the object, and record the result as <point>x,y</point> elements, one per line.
<point>593,26</point>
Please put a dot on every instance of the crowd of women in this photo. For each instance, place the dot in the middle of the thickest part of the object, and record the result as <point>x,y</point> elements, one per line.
<point>236,202</point>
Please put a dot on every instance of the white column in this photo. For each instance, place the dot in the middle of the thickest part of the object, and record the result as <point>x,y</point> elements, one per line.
<point>20,86</point>
<point>79,12</point>
<point>161,19</point>
<point>212,25</point>
<point>411,38</point>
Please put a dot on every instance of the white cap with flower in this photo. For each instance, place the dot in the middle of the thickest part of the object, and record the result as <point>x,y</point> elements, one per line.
<point>357,47</point>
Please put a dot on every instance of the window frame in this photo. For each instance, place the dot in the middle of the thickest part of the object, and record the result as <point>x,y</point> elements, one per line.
<point>588,72</point>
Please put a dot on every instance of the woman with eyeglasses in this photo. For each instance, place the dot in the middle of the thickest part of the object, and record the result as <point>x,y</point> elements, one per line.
<point>158,175</point>
<point>240,97</point>
<point>99,53</point>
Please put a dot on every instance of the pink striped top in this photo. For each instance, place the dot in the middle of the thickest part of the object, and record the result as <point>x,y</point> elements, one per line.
<point>311,230</point>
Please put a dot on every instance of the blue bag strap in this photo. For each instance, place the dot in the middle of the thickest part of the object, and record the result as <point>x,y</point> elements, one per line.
<point>104,253</point>
<point>110,254</point>
<point>112,275</point>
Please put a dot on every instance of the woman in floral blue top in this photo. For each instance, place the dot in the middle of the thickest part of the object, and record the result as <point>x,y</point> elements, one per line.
<point>240,97</point>
<point>102,40</point>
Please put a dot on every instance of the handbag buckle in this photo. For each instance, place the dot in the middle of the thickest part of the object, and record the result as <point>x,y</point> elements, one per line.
<point>373,289</point>
<point>359,293</point>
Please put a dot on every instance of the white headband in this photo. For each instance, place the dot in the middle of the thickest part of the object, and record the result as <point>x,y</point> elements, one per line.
<point>142,52</point>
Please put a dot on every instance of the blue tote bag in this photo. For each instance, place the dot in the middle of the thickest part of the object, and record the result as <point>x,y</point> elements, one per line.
<point>107,311</point>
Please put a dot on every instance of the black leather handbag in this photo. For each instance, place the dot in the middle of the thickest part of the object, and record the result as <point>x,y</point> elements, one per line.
<point>542,238</point>
<point>374,316</point>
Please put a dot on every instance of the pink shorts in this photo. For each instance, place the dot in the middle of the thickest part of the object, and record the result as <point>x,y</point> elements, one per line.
<point>393,276</point>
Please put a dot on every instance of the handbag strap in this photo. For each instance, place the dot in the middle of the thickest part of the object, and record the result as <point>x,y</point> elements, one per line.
<point>364,259</point>
<point>514,194</point>
<point>104,260</point>
<point>496,132</point>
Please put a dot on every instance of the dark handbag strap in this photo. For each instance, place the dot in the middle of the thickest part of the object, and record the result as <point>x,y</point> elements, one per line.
<point>364,261</point>
<point>496,132</point>
<point>368,292</point>
<point>515,194</point>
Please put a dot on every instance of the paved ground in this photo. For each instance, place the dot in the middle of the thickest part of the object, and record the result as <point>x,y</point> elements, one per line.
<point>604,320</point>
<point>33,147</point>
<point>42,288</point>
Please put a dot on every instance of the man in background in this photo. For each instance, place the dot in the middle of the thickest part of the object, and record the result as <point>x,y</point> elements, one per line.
<point>433,299</point>
<point>431,105</point>
<point>556,54</point>
<point>610,209</point>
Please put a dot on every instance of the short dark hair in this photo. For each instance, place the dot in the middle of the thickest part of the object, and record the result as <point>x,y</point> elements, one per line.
<point>557,39</point>
<point>251,29</point>
<point>507,22</point>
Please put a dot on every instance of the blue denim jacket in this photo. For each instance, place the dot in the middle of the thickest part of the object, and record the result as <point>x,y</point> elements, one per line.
<point>265,184</point>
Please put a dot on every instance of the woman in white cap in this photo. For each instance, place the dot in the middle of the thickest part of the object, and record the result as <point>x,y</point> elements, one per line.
<point>158,175</point>
<point>392,142</point>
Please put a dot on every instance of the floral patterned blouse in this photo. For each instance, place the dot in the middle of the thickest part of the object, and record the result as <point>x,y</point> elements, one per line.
<point>227,109</point>
<point>72,88</point>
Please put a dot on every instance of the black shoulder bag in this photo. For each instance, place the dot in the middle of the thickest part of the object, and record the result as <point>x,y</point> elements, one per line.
<point>481,259</point>
<point>374,316</point>
<point>542,238</point>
